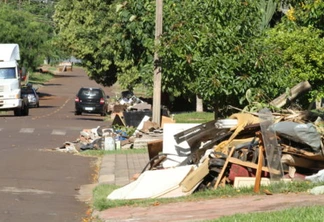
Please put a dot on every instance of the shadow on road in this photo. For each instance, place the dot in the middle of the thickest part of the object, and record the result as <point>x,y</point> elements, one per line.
<point>46,107</point>
<point>89,116</point>
<point>41,94</point>
<point>64,76</point>
<point>90,119</point>
<point>52,84</point>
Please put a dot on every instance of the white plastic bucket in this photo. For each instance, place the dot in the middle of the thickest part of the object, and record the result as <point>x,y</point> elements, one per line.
<point>109,143</point>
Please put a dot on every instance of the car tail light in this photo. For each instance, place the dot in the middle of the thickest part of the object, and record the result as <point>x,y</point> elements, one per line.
<point>77,99</point>
<point>102,101</point>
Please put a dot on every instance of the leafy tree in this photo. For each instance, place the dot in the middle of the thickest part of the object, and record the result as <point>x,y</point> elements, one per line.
<point>84,28</point>
<point>25,29</point>
<point>308,13</point>
<point>133,33</point>
<point>113,38</point>
<point>219,52</point>
<point>299,39</point>
<point>213,48</point>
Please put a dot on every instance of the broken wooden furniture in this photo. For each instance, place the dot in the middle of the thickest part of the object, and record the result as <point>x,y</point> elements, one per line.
<point>302,160</point>
<point>260,165</point>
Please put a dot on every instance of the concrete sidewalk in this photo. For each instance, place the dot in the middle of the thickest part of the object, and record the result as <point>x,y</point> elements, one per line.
<point>119,169</point>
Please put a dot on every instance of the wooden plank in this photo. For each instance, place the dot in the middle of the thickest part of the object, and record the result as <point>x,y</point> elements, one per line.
<point>221,174</point>
<point>259,169</point>
<point>195,177</point>
<point>154,148</point>
<point>118,120</point>
<point>292,160</point>
<point>165,119</point>
<point>294,93</point>
<point>303,153</point>
<point>249,164</point>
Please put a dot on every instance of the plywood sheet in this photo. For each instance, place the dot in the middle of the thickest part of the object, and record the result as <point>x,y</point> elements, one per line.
<point>152,184</point>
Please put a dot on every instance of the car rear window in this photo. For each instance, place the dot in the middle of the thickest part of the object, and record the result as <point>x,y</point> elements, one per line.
<point>90,93</point>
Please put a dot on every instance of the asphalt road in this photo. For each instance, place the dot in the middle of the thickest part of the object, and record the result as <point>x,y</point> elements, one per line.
<point>37,184</point>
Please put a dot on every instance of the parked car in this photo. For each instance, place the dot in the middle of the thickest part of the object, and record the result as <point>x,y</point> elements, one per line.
<point>30,93</point>
<point>91,100</point>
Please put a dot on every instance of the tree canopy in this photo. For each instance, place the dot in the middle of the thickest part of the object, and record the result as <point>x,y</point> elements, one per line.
<point>299,41</point>
<point>113,38</point>
<point>33,32</point>
<point>218,53</point>
<point>84,28</point>
<point>219,50</point>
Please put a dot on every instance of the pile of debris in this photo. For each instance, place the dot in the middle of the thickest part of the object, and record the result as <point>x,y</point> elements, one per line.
<point>116,137</point>
<point>243,150</point>
<point>128,102</point>
<point>99,139</point>
<point>128,113</point>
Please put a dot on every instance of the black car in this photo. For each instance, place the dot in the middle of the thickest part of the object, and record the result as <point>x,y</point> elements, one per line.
<point>91,100</point>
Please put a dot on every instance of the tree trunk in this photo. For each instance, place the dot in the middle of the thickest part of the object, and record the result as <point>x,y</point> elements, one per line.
<point>216,106</point>
<point>199,104</point>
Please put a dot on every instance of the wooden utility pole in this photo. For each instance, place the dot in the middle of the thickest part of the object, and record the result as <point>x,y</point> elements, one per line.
<point>156,115</point>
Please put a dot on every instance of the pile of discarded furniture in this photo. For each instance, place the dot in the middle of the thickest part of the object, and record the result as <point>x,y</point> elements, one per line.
<point>245,149</point>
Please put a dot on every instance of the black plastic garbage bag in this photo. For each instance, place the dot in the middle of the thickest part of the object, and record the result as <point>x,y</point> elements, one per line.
<point>95,145</point>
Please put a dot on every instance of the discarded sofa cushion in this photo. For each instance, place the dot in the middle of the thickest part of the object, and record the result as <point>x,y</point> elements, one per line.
<point>299,132</point>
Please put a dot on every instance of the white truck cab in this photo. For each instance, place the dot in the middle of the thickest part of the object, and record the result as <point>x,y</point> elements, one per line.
<point>10,81</point>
